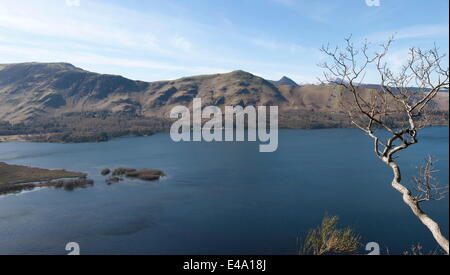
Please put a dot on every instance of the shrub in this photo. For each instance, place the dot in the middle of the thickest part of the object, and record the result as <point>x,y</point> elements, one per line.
<point>328,239</point>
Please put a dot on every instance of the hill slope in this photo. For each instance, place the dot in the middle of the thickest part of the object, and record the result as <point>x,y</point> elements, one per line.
<point>61,98</point>
<point>285,81</point>
<point>31,90</point>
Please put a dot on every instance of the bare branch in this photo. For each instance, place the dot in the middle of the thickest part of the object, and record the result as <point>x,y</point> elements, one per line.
<point>425,184</point>
<point>399,106</point>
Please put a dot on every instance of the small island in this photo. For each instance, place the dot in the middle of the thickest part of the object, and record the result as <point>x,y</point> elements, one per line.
<point>16,178</point>
<point>145,174</point>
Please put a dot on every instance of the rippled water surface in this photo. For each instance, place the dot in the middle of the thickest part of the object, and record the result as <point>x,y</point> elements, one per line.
<point>218,198</point>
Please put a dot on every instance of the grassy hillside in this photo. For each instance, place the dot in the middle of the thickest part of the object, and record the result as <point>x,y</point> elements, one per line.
<point>60,102</point>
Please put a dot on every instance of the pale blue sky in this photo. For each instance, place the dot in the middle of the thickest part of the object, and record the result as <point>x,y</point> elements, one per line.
<point>167,39</point>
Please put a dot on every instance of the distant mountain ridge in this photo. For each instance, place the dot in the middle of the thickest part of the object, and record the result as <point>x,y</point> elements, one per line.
<point>285,81</point>
<point>31,91</point>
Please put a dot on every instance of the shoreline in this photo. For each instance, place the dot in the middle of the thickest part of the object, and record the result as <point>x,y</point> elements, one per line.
<point>13,138</point>
<point>16,178</point>
<point>45,138</point>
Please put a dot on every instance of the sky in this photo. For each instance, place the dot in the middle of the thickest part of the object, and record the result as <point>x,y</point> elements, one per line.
<point>154,40</point>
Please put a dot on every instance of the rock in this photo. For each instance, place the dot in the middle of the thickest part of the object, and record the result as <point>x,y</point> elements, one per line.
<point>149,177</point>
<point>68,185</point>
<point>112,180</point>
<point>122,171</point>
<point>73,184</point>
<point>106,172</point>
<point>11,189</point>
<point>146,174</point>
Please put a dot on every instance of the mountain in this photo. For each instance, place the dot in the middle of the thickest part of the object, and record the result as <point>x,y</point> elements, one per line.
<point>31,90</point>
<point>61,102</point>
<point>284,81</point>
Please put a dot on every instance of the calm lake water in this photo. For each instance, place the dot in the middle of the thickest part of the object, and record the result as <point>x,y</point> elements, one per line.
<point>218,198</point>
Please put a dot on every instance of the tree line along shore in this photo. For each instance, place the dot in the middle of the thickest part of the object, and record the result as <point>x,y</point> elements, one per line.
<point>104,126</point>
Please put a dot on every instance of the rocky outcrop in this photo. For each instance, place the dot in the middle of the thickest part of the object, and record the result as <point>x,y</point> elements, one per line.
<point>146,175</point>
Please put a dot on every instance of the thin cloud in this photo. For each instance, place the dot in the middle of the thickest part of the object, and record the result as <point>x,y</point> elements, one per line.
<point>413,32</point>
<point>317,11</point>
<point>73,3</point>
<point>26,54</point>
<point>181,43</point>
<point>277,46</point>
<point>87,26</point>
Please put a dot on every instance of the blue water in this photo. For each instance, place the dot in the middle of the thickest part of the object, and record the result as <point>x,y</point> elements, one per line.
<point>218,198</point>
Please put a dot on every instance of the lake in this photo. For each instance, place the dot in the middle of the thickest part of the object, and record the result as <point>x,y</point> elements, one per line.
<point>218,198</point>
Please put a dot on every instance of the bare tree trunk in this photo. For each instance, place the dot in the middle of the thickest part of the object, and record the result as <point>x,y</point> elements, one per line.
<point>415,207</point>
<point>394,102</point>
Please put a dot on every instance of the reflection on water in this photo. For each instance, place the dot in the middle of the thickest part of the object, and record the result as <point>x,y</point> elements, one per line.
<point>218,198</point>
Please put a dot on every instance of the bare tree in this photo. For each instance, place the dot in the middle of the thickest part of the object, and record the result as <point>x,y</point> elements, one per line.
<point>393,112</point>
<point>425,185</point>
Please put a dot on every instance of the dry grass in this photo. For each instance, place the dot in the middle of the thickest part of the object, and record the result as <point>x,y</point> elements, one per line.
<point>14,174</point>
<point>329,239</point>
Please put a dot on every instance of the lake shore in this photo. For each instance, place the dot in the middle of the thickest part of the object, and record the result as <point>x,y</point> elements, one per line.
<point>14,138</point>
<point>15,178</point>
<point>93,138</point>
